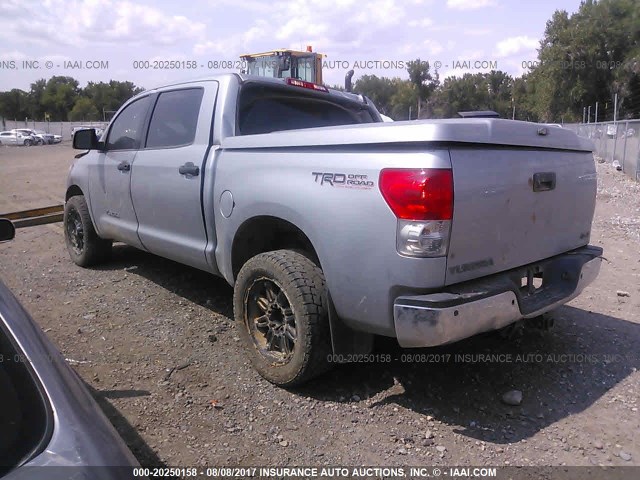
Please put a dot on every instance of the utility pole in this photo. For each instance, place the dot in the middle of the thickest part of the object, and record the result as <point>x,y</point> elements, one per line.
<point>596,120</point>
<point>615,108</point>
<point>584,114</point>
<point>513,113</point>
<point>589,115</point>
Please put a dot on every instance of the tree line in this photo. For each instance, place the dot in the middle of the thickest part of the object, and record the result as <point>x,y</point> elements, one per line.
<point>583,58</point>
<point>61,98</point>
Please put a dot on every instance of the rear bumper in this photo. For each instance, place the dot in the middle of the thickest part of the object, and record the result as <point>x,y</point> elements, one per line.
<point>493,302</point>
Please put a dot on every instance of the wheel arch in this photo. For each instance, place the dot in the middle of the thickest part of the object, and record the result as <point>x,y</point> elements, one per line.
<point>72,191</point>
<point>265,233</point>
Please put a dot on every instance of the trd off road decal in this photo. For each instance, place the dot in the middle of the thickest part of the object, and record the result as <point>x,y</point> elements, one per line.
<point>344,180</point>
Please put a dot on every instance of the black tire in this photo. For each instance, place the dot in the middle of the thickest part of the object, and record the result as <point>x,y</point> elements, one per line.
<point>297,299</point>
<point>85,247</point>
<point>27,143</point>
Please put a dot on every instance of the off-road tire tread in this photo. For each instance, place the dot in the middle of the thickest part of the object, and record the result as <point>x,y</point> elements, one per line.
<point>308,283</point>
<point>96,249</point>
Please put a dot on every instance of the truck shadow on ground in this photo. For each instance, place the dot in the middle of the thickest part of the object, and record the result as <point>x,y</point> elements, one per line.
<point>560,372</point>
<point>197,286</point>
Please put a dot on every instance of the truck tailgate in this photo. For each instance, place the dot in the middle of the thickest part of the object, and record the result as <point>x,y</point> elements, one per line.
<point>517,205</point>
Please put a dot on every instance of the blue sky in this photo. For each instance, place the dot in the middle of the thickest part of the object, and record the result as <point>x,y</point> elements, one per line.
<point>462,35</point>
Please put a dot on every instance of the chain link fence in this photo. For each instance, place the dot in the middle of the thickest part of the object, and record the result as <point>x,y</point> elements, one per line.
<point>614,142</point>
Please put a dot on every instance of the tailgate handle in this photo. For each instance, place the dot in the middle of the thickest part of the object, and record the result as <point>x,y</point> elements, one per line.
<point>544,181</point>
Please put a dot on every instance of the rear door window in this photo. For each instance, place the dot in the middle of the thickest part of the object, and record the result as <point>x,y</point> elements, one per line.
<point>175,118</point>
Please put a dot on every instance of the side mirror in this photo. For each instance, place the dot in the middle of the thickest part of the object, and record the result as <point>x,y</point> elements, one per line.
<point>85,139</point>
<point>7,230</point>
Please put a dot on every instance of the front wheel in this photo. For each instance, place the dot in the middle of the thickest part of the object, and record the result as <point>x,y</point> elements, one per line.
<point>27,143</point>
<point>84,245</point>
<point>280,309</point>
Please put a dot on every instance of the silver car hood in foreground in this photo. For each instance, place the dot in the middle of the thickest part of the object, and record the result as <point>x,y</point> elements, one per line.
<point>489,131</point>
<point>82,437</point>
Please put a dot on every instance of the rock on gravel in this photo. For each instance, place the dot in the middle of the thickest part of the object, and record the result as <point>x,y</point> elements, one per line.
<point>625,456</point>
<point>512,397</point>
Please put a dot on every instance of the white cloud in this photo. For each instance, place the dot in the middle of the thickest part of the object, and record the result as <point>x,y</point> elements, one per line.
<point>94,22</point>
<point>469,4</point>
<point>512,45</point>
<point>423,22</point>
<point>336,27</point>
<point>432,47</point>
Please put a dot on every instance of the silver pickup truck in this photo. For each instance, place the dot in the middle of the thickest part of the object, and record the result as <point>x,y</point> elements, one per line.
<point>333,226</point>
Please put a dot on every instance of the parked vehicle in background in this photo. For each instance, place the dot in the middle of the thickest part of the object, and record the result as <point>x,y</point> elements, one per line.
<point>333,226</point>
<point>37,140</point>
<point>48,138</point>
<point>49,419</point>
<point>16,138</point>
<point>99,131</point>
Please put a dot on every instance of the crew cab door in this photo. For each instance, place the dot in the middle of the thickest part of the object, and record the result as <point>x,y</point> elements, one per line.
<point>167,180</point>
<point>110,174</point>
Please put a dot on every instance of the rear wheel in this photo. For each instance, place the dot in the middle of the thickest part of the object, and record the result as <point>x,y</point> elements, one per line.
<point>27,142</point>
<point>280,309</point>
<point>85,247</point>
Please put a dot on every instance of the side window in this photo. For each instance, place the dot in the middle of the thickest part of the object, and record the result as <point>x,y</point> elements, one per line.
<point>126,131</point>
<point>175,118</point>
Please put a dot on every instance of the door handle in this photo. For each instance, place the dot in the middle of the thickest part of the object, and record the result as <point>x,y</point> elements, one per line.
<point>544,181</point>
<point>124,167</point>
<point>189,169</point>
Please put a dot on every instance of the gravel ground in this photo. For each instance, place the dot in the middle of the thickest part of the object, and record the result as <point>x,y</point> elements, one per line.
<point>155,342</point>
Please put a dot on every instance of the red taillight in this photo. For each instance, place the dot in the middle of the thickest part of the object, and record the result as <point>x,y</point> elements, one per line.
<point>418,194</point>
<point>301,83</point>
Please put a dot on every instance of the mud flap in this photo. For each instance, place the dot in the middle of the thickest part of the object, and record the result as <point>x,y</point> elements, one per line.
<point>345,340</point>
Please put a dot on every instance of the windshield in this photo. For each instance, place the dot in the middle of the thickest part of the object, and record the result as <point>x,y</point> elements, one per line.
<point>263,66</point>
<point>302,68</point>
<point>306,68</point>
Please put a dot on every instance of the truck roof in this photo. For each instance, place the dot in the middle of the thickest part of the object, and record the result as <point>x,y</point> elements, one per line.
<point>243,77</point>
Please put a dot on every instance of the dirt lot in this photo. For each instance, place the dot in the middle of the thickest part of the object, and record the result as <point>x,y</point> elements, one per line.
<point>155,342</point>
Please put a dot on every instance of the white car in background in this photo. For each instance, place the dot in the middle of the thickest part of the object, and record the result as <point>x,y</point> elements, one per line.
<point>16,138</point>
<point>48,138</point>
<point>37,139</point>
